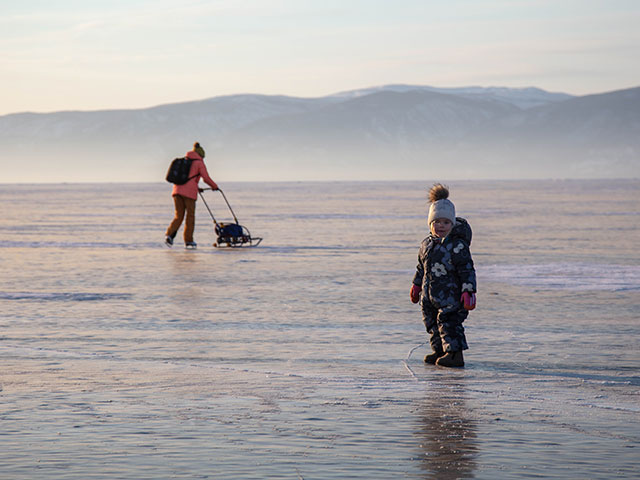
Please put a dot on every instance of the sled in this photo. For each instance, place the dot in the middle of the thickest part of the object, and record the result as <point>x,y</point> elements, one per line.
<point>230,235</point>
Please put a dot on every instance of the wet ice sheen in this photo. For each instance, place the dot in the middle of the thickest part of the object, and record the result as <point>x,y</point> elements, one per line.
<point>301,358</point>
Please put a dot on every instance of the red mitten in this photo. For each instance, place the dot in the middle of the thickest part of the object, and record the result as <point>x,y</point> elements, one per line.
<point>415,293</point>
<point>468,300</point>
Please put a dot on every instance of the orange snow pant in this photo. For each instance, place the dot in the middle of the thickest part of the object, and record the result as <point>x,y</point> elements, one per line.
<point>188,205</point>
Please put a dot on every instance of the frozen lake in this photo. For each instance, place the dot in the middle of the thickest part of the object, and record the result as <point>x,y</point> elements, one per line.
<point>302,358</point>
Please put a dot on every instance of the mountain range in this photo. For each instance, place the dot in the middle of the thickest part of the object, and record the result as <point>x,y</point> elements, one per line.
<point>388,132</point>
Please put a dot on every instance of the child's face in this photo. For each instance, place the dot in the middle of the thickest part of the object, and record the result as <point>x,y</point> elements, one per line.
<point>441,227</point>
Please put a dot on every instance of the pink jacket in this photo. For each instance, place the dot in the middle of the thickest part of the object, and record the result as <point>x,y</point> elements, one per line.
<point>198,169</point>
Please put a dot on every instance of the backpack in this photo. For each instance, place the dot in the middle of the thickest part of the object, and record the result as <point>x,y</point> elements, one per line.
<point>178,172</point>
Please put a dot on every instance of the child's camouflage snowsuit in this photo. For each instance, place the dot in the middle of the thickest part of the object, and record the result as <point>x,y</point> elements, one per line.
<point>445,270</point>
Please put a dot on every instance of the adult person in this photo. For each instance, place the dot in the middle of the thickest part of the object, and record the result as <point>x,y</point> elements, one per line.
<point>185,196</point>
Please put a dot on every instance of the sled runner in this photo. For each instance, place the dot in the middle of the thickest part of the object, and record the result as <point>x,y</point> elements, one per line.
<point>230,234</point>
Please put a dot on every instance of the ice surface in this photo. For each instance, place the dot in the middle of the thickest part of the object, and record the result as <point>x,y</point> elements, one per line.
<point>568,276</point>
<point>302,358</point>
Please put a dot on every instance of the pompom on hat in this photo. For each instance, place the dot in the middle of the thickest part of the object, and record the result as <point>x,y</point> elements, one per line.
<point>198,149</point>
<point>441,206</point>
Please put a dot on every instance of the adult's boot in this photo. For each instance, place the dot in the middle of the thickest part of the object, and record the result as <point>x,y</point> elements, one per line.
<point>451,359</point>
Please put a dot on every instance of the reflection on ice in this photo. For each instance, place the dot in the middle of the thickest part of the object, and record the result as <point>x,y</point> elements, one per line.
<point>447,431</point>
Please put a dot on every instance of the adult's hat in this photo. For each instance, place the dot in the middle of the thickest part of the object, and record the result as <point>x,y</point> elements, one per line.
<point>198,149</point>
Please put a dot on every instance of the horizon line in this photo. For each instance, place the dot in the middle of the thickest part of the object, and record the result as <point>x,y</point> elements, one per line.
<point>336,94</point>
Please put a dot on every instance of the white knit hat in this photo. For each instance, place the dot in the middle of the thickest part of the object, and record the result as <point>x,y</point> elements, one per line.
<point>441,206</point>
<point>442,209</point>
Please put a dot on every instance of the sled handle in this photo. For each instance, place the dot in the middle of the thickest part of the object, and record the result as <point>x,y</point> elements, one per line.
<point>206,205</point>
<point>225,200</point>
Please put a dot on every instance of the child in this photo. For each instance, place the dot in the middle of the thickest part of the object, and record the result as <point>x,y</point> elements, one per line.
<point>446,279</point>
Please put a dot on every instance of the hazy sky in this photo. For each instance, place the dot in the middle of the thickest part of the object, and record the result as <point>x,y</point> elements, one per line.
<point>102,54</point>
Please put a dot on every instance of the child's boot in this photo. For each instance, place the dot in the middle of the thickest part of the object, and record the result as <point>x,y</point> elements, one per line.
<point>451,359</point>
<point>432,357</point>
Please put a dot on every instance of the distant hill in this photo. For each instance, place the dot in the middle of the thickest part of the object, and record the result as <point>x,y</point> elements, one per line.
<point>389,132</point>
<point>520,97</point>
<point>592,136</point>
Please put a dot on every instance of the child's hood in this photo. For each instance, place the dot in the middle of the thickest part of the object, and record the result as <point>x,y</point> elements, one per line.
<point>462,230</point>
